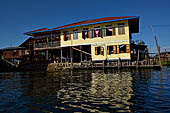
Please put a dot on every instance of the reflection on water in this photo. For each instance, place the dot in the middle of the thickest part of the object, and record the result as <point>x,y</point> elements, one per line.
<point>86,91</point>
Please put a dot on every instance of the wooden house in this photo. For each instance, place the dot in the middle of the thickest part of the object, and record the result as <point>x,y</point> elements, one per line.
<point>103,39</point>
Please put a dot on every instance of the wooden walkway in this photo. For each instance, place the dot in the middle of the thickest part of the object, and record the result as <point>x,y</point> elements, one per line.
<point>102,65</point>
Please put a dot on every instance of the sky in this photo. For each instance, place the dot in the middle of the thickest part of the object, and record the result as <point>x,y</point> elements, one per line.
<point>20,16</point>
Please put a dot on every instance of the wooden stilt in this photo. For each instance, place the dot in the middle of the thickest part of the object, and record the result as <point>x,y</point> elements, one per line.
<point>119,63</point>
<point>81,56</point>
<point>46,55</point>
<point>103,64</point>
<point>71,57</point>
<point>61,55</point>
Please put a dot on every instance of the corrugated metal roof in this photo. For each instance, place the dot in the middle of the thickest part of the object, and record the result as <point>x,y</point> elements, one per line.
<point>12,48</point>
<point>43,29</point>
<point>82,23</point>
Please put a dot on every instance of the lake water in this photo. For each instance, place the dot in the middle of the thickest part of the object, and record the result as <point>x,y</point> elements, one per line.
<point>86,91</point>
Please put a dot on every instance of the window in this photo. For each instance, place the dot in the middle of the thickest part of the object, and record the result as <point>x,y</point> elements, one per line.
<point>20,53</point>
<point>109,30</point>
<point>122,48</point>
<point>85,33</point>
<point>14,53</point>
<point>99,51</point>
<point>121,28</point>
<point>56,36</point>
<point>75,34</point>
<point>26,52</point>
<point>111,49</point>
<point>5,53</point>
<point>67,36</point>
<point>97,32</point>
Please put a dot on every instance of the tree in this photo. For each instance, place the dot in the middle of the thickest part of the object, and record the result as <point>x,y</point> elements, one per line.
<point>140,42</point>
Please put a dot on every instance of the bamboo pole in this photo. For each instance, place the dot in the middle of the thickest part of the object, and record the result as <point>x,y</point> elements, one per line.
<point>81,51</point>
<point>158,47</point>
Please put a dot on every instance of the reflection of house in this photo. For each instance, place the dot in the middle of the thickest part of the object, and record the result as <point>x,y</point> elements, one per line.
<point>117,87</point>
<point>97,40</point>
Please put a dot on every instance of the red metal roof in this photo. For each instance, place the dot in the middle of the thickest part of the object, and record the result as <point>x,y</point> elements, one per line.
<point>94,21</point>
<point>43,29</point>
<point>86,22</point>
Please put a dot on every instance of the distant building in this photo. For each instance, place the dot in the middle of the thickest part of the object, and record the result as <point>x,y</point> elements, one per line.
<point>13,54</point>
<point>96,40</point>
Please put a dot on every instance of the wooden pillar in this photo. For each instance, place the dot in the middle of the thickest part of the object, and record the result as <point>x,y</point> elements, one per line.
<point>46,55</point>
<point>61,55</point>
<point>71,56</point>
<point>119,63</point>
<point>81,56</point>
<point>103,64</point>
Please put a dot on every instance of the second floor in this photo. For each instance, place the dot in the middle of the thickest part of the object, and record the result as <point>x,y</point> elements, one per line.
<point>87,33</point>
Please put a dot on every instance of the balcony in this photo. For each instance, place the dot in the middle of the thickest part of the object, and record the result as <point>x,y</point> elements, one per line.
<point>49,45</point>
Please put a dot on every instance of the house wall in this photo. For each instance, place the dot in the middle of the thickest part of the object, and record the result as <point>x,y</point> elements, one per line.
<point>123,56</point>
<point>9,54</point>
<point>100,41</point>
<point>109,39</point>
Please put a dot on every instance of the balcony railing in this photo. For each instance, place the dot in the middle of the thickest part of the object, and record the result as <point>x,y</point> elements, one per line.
<point>48,45</point>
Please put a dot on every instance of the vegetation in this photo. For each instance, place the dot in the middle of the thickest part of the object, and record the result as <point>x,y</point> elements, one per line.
<point>140,42</point>
<point>166,63</point>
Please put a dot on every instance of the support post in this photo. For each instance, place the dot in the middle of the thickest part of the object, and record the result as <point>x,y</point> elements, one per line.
<point>119,63</point>
<point>32,52</point>
<point>71,56</point>
<point>46,55</point>
<point>61,55</point>
<point>103,64</point>
<point>51,39</point>
<point>81,56</point>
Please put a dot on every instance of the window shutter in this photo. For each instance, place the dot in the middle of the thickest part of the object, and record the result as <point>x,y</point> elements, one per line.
<point>118,49</point>
<point>108,50</point>
<point>69,36</point>
<point>101,33</point>
<point>101,50</point>
<point>89,34</point>
<point>113,31</point>
<point>114,49</point>
<point>104,30</point>
<point>73,35</point>
<point>95,50</point>
<point>127,49</point>
<point>77,34</point>
<point>47,40</point>
<point>123,29</point>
